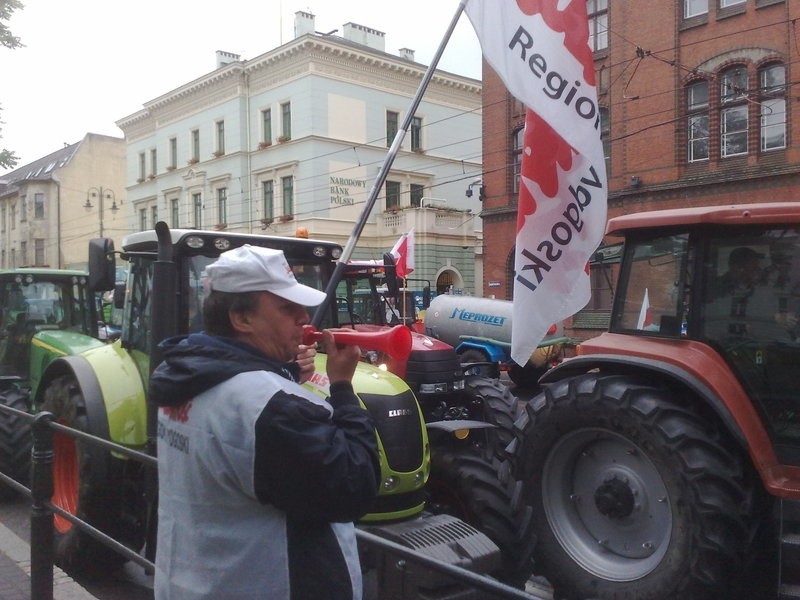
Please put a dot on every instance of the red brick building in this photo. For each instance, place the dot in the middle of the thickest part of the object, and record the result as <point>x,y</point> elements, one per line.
<point>699,104</point>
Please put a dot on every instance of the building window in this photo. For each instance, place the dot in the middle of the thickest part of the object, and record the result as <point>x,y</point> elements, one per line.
<point>173,153</point>
<point>268,199</point>
<point>286,120</point>
<point>605,137</point>
<point>692,8</point>
<point>220,138</point>
<point>417,190</point>
<point>287,186</point>
<point>38,206</point>
<point>13,258</point>
<point>12,215</point>
<point>39,258</point>
<point>153,162</point>
<point>222,206</point>
<point>23,212</point>
<point>197,209</point>
<point>392,195</point>
<point>3,219</point>
<point>598,24</point>
<point>174,210</point>
<point>727,3</point>
<point>416,134</point>
<point>772,91</point>
<point>195,145</point>
<point>698,119</point>
<point>733,113</point>
<point>392,124</point>
<point>266,125</point>
<point>517,144</point>
<point>23,253</point>
<point>142,219</point>
<point>154,215</point>
<point>142,166</point>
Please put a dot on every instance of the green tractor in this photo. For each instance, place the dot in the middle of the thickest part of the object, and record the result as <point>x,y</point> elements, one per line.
<point>44,314</point>
<point>101,388</point>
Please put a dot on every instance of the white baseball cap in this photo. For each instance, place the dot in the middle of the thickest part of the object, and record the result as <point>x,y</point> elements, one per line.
<point>256,269</point>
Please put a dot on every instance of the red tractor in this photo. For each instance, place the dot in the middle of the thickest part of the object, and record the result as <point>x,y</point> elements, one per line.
<point>663,461</point>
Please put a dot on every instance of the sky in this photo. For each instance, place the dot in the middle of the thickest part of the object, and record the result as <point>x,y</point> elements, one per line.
<point>89,63</point>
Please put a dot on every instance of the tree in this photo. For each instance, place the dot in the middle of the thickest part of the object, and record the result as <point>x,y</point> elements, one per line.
<point>7,7</point>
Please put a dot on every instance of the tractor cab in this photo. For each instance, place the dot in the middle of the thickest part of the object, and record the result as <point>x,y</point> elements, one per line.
<point>735,289</point>
<point>40,301</point>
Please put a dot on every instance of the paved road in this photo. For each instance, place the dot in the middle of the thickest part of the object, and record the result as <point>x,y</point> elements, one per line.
<point>129,583</point>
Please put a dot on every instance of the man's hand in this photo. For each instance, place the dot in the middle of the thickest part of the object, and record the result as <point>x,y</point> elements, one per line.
<point>305,360</point>
<point>342,360</point>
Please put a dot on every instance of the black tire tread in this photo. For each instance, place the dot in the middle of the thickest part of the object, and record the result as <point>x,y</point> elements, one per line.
<point>489,500</point>
<point>16,440</point>
<point>717,484</point>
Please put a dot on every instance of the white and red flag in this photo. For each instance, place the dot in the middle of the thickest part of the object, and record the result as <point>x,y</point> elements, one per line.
<point>645,316</point>
<point>540,49</point>
<point>403,253</point>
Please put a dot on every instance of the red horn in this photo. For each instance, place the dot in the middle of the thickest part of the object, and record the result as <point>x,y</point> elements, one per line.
<point>396,342</point>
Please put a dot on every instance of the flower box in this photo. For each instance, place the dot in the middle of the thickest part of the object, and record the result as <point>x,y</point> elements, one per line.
<point>262,145</point>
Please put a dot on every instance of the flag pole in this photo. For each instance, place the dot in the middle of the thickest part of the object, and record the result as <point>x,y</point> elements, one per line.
<point>347,251</point>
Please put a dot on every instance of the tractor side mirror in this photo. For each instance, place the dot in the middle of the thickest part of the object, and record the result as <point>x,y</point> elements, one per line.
<point>102,265</point>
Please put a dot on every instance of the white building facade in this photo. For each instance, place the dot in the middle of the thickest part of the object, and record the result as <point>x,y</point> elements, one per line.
<point>295,138</point>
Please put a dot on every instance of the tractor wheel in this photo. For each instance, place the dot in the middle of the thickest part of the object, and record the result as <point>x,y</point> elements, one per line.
<point>476,356</point>
<point>635,494</point>
<point>500,408</point>
<point>90,484</point>
<point>527,376</point>
<point>15,441</point>
<point>481,493</point>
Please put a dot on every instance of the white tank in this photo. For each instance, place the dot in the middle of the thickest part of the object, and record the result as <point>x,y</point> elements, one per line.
<point>449,317</point>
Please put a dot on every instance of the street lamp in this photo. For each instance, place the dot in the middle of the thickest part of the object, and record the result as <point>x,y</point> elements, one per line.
<point>103,194</point>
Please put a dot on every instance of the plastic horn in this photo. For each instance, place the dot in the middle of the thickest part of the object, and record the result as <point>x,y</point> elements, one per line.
<point>396,341</point>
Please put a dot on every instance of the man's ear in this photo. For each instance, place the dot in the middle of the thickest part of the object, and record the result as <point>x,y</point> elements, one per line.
<point>241,322</point>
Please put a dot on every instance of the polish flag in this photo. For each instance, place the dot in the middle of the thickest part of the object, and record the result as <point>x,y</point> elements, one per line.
<point>403,253</point>
<point>645,316</point>
<point>540,49</point>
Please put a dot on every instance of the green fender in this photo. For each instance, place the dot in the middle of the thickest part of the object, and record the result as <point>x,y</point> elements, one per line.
<point>112,386</point>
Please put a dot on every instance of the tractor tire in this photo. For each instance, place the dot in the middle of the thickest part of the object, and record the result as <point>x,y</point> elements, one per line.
<point>500,408</point>
<point>482,493</point>
<point>635,494</point>
<point>476,356</point>
<point>527,376</point>
<point>16,440</point>
<point>92,485</point>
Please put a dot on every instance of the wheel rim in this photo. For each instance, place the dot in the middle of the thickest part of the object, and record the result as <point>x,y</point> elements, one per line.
<point>65,478</point>
<point>606,504</point>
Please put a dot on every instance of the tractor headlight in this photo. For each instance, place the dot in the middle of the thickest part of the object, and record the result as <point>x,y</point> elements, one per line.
<point>458,384</point>
<point>419,479</point>
<point>390,483</point>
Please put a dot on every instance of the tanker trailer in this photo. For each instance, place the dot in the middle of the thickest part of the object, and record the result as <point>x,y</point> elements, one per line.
<point>480,331</point>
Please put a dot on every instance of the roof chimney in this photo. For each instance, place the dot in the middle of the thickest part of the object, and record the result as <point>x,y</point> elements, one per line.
<point>223,58</point>
<point>366,36</point>
<point>407,54</point>
<point>303,23</point>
